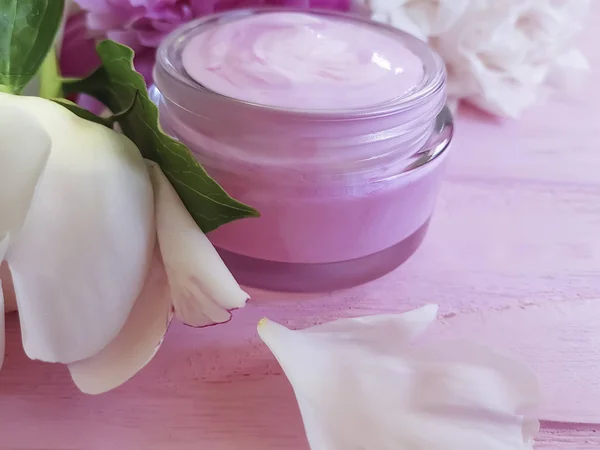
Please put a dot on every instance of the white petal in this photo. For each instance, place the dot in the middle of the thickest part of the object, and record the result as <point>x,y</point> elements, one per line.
<point>398,18</point>
<point>503,55</point>
<point>4,241</point>
<point>138,341</point>
<point>24,151</point>
<point>371,329</point>
<point>437,17</point>
<point>83,253</point>
<point>453,103</point>
<point>570,73</point>
<point>357,388</point>
<point>10,303</point>
<point>202,288</point>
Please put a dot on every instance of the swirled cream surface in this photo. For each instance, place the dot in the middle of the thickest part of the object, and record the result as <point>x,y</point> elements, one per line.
<point>295,60</point>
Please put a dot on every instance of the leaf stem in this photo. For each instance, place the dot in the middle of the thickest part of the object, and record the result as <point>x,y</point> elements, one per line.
<point>50,80</point>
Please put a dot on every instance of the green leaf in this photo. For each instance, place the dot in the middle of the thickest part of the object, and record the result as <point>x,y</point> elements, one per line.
<point>108,122</point>
<point>83,113</point>
<point>118,85</point>
<point>27,32</point>
<point>50,80</point>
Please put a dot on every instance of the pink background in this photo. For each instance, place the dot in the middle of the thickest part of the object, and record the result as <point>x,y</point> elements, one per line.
<point>513,258</point>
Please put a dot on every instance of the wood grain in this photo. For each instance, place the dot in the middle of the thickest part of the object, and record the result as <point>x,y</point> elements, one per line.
<point>512,257</point>
<point>559,436</point>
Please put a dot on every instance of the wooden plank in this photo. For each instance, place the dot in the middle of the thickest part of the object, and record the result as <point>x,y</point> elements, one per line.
<point>560,436</point>
<point>560,342</point>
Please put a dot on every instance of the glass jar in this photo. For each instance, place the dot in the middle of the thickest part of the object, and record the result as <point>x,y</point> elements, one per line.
<point>345,196</point>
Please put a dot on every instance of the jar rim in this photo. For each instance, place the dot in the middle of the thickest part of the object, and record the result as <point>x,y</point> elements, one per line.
<point>167,71</point>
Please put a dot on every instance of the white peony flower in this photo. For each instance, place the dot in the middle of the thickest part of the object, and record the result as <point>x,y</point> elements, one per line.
<point>97,250</point>
<point>499,53</point>
<point>362,384</point>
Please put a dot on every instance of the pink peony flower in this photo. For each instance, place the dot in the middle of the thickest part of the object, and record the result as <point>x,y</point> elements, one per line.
<point>78,56</point>
<point>78,51</point>
<point>142,24</point>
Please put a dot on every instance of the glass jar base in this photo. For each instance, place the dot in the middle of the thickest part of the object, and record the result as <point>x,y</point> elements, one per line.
<point>301,277</point>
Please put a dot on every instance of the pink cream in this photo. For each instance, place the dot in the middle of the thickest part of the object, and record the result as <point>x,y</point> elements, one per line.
<point>302,61</point>
<point>331,126</point>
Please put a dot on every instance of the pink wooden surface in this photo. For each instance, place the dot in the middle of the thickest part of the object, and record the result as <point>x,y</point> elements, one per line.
<point>513,258</point>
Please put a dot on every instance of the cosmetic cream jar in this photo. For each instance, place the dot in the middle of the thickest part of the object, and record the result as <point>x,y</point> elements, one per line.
<point>332,126</point>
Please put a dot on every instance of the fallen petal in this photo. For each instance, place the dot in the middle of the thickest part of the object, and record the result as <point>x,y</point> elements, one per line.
<point>136,344</point>
<point>384,331</point>
<point>357,388</point>
<point>202,288</point>
<point>83,252</point>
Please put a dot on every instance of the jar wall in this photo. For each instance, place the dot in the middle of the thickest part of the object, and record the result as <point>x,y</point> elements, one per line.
<point>315,237</point>
<point>326,229</point>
